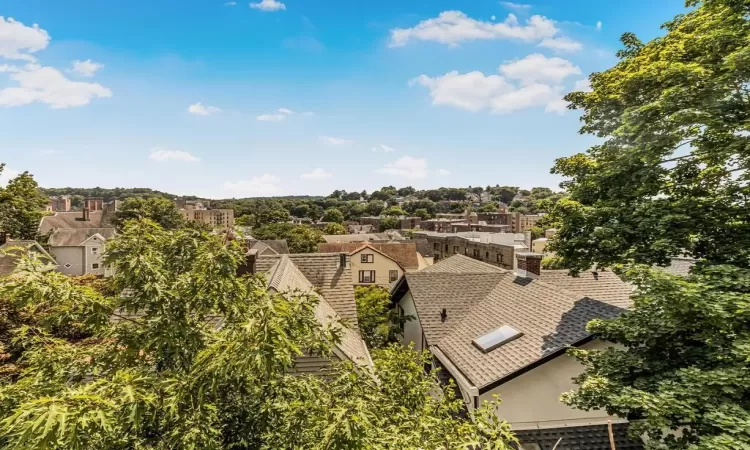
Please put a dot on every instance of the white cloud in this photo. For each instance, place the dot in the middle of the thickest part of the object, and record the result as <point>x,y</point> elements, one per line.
<point>264,185</point>
<point>86,68</point>
<point>453,27</point>
<point>516,6</point>
<point>558,106</point>
<point>230,4</point>
<point>163,155</point>
<point>442,172</point>
<point>599,26</point>
<point>582,86</point>
<point>530,82</point>
<point>18,41</point>
<point>538,68</point>
<point>383,148</point>
<point>279,115</point>
<point>8,174</point>
<point>269,5</point>
<point>201,110</point>
<point>563,44</point>
<point>334,140</point>
<point>47,85</point>
<point>316,174</point>
<point>406,167</point>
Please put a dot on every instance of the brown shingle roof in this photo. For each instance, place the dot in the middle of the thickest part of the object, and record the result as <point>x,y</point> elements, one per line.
<point>323,271</point>
<point>479,298</point>
<point>66,237</point>
<point>605,285</point>
<point>403,253</point>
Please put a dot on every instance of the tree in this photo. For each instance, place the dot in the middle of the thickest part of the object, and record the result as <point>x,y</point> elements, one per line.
<point>406,191</point>
<point>248,220</point>
<point>334,228</point>
<point>422,213</point>
<point>300,238</point>
<point>375,207</point>
<point>158,209</point>
<point>394,211</point>
<point>389,223</point>
<point>489,207</point>
<point>333,215</point>
<point>670,176</point>
<point>683,362</point>
<point>160,376</point>
<point>21,206</point>
<point>271,214</point>
<point>379,322</point>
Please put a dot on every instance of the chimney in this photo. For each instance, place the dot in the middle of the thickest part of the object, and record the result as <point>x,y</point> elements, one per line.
<point>342,260</point>
<point>248,266</point>
<point>529,264</point>
<point>85,214</point>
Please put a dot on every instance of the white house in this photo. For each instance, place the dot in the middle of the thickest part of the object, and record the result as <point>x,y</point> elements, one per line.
<point>77,240</point>
<point>501,333</point>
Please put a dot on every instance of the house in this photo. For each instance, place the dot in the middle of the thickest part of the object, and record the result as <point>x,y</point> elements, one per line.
<point>360,229</point>
<point>77,240</point>
<point>377,263</point>
<point>268,247</point>
<point>496,332</point>
<point>11,252</point>
<point>328,277</point>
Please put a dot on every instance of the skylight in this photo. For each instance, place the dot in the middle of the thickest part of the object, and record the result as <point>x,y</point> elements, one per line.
<point>496,338</point>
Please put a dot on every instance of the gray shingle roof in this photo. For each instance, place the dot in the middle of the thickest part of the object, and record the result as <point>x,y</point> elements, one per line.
<point>604,285</point>
<point>479,298</point>
<point>587,437</point>
<point>680,266</point>
<point>67,237</point>
<point>70,220</point>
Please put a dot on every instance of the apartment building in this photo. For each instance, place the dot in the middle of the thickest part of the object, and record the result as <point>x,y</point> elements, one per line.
<point>493,248</point>
<point>59,204</point>
<point>214,218</point>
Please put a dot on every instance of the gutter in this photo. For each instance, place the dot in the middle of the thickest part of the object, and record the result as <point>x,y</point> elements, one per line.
<point>461,380</point>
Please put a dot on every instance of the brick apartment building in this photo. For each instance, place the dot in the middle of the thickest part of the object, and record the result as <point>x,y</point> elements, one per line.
<point>493,248</point>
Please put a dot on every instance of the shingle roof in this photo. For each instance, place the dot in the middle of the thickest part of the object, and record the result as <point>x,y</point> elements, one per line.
<point>280,246</point>
<point>10,255</point>
<point>284,276</point>
<point>587,437</point>
<point>480,297</point>
<point>362,237</point>
<point>403,253</point>
<point>66,237</point>
<point>680,266</point>
<point>323,271</point>
<point>604,285</point>
<point>424,248</point>
<point>70,220</point>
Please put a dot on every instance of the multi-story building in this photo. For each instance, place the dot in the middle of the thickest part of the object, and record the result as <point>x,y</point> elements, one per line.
<point>493,248</point>
<point>410,223</point>
<point>59,204</point>
<point>93,204</point>
<point>215,218</point>
<point>528,221</point>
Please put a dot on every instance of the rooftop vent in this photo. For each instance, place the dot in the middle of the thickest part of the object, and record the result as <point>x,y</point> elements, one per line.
<point>443,315</point>
<point>496,338</point>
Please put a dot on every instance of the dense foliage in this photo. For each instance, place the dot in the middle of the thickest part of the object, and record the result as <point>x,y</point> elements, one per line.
<point>669,178</point>
<point>151,370</point>
<point>300,238</point>
<point>334,228</point>
<point>22,206</point>
<point>158,209</point>
<point>379,323</point>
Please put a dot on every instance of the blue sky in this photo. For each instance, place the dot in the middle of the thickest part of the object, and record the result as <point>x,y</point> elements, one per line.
<point>277,97</point>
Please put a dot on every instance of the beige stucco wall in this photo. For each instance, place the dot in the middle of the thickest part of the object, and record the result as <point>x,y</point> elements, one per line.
<point>412,328</point>
<point>69,255</point>
<point>532,399</point>
<point>382,266</point>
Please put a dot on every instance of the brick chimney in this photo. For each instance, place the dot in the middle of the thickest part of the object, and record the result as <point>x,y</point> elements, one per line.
<point>529,264</point>
<point>248,266</point>
<point>342,260</point>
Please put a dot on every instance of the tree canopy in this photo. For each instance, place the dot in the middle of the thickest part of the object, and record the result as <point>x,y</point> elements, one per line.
<point>150,369</point>
<point>22,206</point>
<point>379,322</point>
<point>158,209</point>
<point>300,238</point>
<point>334,228</point>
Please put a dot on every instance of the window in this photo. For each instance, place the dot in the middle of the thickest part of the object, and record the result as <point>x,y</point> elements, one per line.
<point>400,314</point>
<point>95,266</point>
<point>367,258</point>
<point>446,247</point>
<point>476,253</point>
<point>366,276</point>
<point>487,255</point>
<point>392,275</point>
<point>68,266</point>
<point>437,246</point>
<point>500,258</point>
<point>496,338</point>
<point>95,250</point>
<point>466,251</point>
<point>455,249</point>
